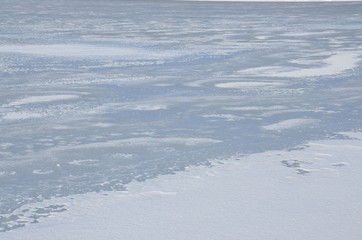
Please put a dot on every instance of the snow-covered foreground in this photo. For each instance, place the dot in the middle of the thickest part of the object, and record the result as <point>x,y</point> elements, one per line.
<point>311,193</point>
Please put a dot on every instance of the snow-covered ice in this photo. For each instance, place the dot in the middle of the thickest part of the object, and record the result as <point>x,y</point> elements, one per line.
<point>180,119</point>
<point>300,194</point>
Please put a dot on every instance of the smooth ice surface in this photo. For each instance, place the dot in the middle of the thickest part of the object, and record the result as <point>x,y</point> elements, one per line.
<point>98,95</point>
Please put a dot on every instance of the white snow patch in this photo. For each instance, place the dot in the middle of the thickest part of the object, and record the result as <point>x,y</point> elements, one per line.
<point>158,193</point>
<point>145,107</point>
<point>242,85</point>
<point>255,108</point>
<point>22,115</point>
<point>103,125</point>
<point>123,155</point>
<point>337,63</point>
<point>61,127</point>
<point>7,173</point>
<point>226,117</point>
<point>163,85</point>
<point>86,51</point>
<point>354,135</point>
<point>42,172</point>
<point>306,33</point>
<point>42,99</point>
<point>262,37</point>
<point>6,145</point>
<point>144,141</point>
<point>295,110</point>
<point>88,162</point>
<point>290,123</point>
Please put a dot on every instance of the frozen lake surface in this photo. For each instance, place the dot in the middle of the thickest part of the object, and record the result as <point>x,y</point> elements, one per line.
<point>97,95</point>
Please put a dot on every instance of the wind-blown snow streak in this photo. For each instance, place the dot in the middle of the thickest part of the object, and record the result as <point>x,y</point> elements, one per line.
<point>42,99</point>
<point>289,124</point>
<point>242,85</point>
<point>22,115</point>
<point>85,51</point>
<point>334,64</point>
<point>145,107</point>
<point>147,141</point>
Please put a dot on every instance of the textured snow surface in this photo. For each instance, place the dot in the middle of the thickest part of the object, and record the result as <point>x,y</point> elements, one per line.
<point>302,194</point>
